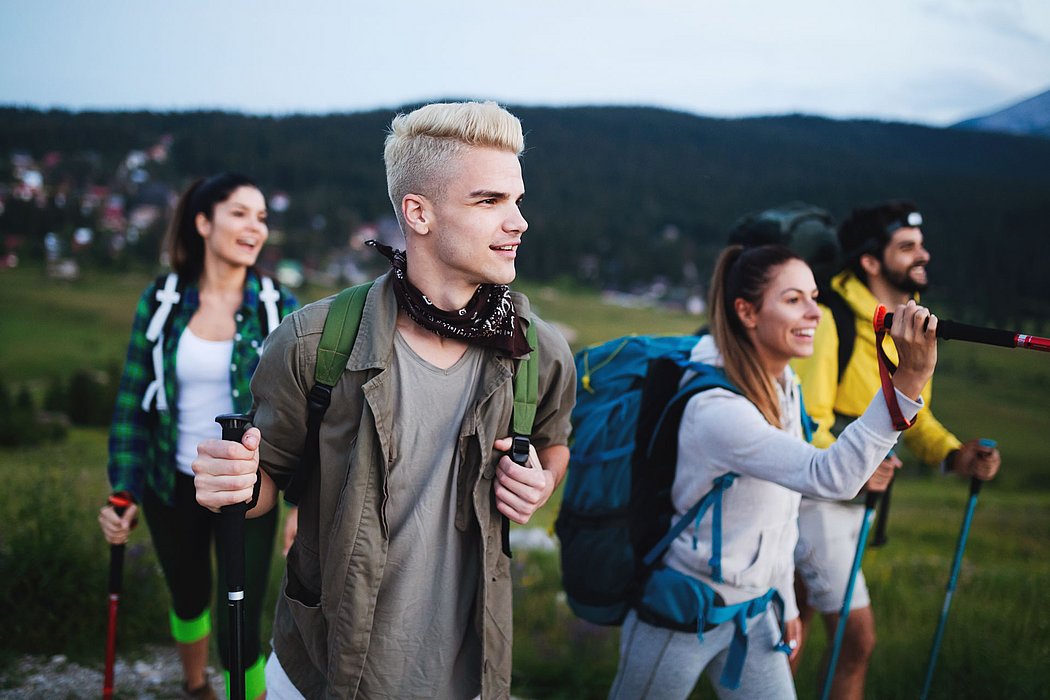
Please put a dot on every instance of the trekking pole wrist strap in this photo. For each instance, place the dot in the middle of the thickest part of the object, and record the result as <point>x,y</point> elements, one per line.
<point>889,392</point>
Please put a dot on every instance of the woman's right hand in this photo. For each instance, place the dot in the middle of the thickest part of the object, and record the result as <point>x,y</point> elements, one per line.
<point>117,528</point>
<point>914,332</point>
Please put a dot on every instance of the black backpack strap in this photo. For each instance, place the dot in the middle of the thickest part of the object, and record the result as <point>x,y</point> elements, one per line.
<point>333,352</point>
<point>845,326</point>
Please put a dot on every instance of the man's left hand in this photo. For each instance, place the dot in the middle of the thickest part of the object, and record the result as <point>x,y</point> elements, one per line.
<point>973,459</point>
<point>521,489</point>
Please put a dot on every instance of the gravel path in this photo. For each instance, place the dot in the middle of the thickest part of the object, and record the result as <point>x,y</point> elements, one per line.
<point>157,674</point>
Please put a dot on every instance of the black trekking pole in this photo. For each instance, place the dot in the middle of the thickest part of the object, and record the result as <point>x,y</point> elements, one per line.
<point>231,530</point>
<point>953,330</point>
<point>880,538</point>
<point>120,504</point>
<point>964,533</point>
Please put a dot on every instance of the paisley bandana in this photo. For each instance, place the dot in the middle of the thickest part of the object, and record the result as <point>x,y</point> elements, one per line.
<point>487,320</point>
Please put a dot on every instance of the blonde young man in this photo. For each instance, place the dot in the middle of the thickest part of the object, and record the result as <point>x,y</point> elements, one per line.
<point>397,584</point>
<point>886,260</point>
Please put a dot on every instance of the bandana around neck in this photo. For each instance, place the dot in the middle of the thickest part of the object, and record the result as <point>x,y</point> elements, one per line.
<point>487,320</point>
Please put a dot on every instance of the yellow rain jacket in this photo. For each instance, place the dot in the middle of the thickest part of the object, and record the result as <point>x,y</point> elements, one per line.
<point>826,397</point>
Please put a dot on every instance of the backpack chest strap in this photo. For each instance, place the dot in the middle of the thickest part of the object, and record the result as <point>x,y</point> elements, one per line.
<point>168,296</point>
<point>269,296</point>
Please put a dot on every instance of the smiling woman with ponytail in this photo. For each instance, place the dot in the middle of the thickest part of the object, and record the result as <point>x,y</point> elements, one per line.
<point>195,341</point>
<point>747,450</point>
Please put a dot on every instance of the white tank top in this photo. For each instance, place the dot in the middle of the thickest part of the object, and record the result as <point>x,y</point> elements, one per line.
<point>202,370</point>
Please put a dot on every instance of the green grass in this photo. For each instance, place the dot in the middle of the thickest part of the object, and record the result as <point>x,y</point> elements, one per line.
<point>53,560</point>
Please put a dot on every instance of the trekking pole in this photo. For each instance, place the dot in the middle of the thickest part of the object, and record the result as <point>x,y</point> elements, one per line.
<point>870,501</point>
<point>231,530</point>
<point>952,330</point>
<point>971,504</point>
<point>880,537</point>
<point>120,503</point>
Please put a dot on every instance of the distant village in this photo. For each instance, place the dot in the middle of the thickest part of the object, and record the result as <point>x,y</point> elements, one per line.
<point>51,212</point>
<point>68,211</point>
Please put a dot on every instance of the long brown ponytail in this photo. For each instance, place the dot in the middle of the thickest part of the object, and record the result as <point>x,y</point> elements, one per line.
<point>744,273</point>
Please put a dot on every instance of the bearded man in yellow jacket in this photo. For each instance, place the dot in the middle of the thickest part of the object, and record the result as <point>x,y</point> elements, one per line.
<point>885,263</point>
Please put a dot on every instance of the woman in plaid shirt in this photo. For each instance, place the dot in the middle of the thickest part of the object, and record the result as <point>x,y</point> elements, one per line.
<point>181,371</point>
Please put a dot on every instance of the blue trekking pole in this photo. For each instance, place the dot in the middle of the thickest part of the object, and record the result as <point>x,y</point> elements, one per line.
<point>870,500</point>
<point>975,488</point>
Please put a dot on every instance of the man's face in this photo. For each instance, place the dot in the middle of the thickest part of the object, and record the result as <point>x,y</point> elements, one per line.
<point>904,261</point>
<point>477,222</point>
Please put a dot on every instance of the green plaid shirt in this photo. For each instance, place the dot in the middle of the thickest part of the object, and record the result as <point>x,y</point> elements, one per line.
<point>142,443</point>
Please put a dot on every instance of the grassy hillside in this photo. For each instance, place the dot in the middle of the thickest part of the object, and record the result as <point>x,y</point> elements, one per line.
<point>53,561</point>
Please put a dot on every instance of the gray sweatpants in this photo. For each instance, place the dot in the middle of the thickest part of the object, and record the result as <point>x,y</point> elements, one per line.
<point>663,664</point>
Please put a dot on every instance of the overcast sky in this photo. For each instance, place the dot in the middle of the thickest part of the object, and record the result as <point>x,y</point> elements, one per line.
<point>926,61</point>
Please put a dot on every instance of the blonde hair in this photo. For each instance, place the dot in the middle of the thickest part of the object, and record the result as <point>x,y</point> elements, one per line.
<point>745,273</point>
<point>422,145</point>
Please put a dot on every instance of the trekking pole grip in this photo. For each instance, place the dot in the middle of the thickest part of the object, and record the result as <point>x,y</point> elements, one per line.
<point>231,530</point>
<point>234,426</point>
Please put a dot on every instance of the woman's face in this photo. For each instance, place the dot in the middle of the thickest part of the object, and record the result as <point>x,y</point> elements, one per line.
<point>783,326</point>
<point>237,229</point>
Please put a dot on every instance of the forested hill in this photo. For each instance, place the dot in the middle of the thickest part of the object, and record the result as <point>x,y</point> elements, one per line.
<point>615,195</point>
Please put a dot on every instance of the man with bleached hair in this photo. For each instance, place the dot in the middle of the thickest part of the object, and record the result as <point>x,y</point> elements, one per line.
<point>397,584</point>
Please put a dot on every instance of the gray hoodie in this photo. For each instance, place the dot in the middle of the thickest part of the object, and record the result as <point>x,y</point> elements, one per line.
<point>724,432</point>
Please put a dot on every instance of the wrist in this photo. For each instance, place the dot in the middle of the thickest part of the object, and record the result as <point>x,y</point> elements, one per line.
<point>949,461</point>
<point>908,383</point>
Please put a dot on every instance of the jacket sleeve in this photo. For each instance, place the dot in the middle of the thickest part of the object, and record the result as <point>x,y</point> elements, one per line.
<point>279,392</point>
<point>130,427</point>
<point>928,439</point>
<point>819,375</point>
<point>557,388</point>
<point>732,434</point>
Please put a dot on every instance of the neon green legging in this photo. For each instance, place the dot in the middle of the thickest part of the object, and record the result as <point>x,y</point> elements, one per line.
<point>182,536</point>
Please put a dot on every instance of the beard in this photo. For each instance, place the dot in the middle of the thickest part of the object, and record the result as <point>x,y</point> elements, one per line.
<point>903,281</point>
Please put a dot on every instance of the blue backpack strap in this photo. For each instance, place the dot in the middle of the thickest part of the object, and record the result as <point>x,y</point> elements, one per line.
<point>707,377</point>
<point>695,515</point>
<point>715,562</point>
<point>683,600</point>
<point>809,426</point>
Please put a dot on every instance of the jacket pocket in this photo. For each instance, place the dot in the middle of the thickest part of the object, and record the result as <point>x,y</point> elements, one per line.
<point>304,576</point>
<point>759,572</point>
<point>303,602</point>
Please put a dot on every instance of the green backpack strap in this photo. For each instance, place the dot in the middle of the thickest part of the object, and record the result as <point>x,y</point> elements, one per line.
<point>333,352</point>
<point>339,334</point>
<point>527,387</point>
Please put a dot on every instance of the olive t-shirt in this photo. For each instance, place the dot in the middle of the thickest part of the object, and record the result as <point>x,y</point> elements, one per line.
<point>424,643</point>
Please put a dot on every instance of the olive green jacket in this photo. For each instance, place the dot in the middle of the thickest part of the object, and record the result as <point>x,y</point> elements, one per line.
<point>324,613</point>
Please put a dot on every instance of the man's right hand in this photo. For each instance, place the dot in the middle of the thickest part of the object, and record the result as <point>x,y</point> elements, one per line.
<point>225,471</point>
<point>880,480</point>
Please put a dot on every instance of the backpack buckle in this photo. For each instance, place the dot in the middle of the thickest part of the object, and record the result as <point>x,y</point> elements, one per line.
<point>319,398</point>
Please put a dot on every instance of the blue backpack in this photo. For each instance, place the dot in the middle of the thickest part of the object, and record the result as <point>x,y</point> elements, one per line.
<point>616,506</point>
<point>616,512</point>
